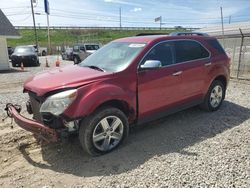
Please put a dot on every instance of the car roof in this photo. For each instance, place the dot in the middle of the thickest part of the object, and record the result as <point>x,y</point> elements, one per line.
<point>83,44</point>
<point>153,38</point>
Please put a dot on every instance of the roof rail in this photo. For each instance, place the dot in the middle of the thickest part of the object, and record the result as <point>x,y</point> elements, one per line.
<point>146,34</point>
<point>188,33</point>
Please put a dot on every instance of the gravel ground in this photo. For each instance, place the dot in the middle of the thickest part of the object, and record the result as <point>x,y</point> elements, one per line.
<point>191,148</point>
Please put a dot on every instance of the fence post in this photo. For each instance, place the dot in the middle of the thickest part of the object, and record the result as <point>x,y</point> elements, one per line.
<point>241,45</point>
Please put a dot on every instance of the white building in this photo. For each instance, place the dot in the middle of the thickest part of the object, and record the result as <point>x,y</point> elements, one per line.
<point>229,29</point>
<point>6,31</point>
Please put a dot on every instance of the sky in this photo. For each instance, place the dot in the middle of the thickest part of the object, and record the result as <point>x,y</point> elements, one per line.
<point>134,13</point>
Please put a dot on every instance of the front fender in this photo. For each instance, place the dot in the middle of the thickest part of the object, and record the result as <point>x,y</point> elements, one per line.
<point>92,96</point>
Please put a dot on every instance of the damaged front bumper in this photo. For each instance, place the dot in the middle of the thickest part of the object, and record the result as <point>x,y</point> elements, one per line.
<point>41,131</point>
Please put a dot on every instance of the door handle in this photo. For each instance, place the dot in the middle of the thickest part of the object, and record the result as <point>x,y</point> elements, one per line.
<point>177,73</point>
<point>207,64</point>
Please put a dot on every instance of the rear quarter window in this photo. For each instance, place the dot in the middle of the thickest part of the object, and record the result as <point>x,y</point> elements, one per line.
<point>188,50</point>
<point>216,46</point>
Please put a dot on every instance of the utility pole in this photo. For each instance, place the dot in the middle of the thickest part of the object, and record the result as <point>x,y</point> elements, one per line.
<point>49,45</point>
<point>160,22</point>
<point>47,10</point>
<point>120,13</point>
<point>222,24</point>
<point>34,23</point>
<point>229,21</point>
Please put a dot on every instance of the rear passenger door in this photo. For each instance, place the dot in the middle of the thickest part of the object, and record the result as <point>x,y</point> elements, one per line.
<point>194,59</point>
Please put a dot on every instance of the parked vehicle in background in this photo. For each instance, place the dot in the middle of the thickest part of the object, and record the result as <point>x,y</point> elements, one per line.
<point>67,54</point>
<point>128,81</point>
<point>26,55</point>
<point>41,51</point>
<point>10,51</point>
<point>82,51</point>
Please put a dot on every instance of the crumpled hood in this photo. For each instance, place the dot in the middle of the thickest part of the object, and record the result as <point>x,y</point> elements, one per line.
<point>58,78</point>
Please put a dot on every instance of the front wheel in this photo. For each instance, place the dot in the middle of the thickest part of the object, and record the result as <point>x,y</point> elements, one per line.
<point>103,131</point>
<point>215,96</point>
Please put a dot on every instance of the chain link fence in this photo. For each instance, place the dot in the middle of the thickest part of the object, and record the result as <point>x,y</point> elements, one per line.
<point>236,42</point>
<point>238,49</point>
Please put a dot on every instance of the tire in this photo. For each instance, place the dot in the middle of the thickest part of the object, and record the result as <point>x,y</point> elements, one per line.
<point>38,63</point>
<point>44,53</point>
<point>107,140</point>
<point>214,97</point>
<point>76,61</point>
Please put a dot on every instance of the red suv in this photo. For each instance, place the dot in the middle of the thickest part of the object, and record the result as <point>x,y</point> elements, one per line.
<point>128,81</point>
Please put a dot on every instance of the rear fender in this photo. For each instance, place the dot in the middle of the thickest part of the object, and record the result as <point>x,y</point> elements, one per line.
<point>216,71</point>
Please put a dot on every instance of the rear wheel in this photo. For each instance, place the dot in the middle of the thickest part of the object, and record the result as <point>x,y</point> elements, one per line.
<point>37,63</point>
<point>103,131</point>
<point>44,53</point>
<point>215,96</point>
<point>76,61</point>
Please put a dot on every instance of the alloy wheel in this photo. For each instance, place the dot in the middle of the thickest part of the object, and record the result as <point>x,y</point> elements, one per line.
<point>108,133</point>
<point>216,96</point>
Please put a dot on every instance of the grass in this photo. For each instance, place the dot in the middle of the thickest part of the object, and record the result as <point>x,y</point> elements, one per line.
<point>68,37</point>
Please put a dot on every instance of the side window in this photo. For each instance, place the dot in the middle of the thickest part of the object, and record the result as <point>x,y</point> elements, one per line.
<point>189,50</point>
<point>82,48</point>
<point>216,45</point>
<point>76,48</point>
<point>163,52</point>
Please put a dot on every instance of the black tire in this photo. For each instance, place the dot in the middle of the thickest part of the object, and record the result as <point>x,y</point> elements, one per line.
<point>207,103</point>
<point>44,53</point>
<point>37,64</point>
<point>90,123</point>
<point>76,60</point>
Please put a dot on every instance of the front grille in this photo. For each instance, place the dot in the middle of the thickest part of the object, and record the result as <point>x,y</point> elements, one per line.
<point>44,118</point>
<point>35,104</point>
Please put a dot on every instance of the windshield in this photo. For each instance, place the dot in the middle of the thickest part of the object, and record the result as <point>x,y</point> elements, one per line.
<point>113,57</point>
<point>24,49</point>
<point>91,47</point>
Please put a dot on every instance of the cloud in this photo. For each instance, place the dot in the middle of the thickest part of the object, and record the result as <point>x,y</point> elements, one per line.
<point>122,2</point>
<point>136,9</point>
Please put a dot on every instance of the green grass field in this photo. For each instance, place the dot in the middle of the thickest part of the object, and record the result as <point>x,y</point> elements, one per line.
<point>62,37</point>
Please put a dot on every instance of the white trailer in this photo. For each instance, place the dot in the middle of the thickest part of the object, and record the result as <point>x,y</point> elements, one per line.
<point>7,30</point>
<point>4,57</point>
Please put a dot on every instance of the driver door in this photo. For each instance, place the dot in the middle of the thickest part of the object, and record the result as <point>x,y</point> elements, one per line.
<point>159,88</point>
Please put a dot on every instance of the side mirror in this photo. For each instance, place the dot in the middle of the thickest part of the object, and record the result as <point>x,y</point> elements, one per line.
<point>151,64</point>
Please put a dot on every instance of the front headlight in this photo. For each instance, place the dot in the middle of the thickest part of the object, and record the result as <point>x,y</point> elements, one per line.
<point>57,103</point>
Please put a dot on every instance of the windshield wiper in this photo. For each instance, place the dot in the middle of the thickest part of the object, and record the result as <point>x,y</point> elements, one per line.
<point>95,67</point>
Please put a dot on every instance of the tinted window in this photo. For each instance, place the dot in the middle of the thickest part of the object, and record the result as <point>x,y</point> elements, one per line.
<point>189,50</point>
<point>82,48</point>
<point>216,45</point>
<point>163,52</point>
<point>91,47</point>
<point>76,48</point>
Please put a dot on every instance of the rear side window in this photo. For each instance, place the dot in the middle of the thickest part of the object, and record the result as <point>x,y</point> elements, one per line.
<point>216,45</point>
<point>189,50</point>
